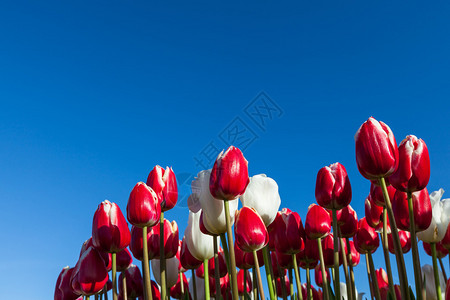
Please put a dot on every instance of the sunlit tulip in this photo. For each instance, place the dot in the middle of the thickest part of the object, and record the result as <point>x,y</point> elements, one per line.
<point>318,276</point>
<point>441,252</point>
<point>413,172</point>
<point>366,239</point>
<point>63,288</point>
<point>428,279</point>
<point>317,223</point>
<point>175,291</point>
<point>289,233</point>
<point>187,260</point>
<point>199,244</point>
<point>144,207</point>
<point>376,194</point>
<point>164,183</point>
<point>248,282</point>
<point>355,255</point>
<point>156,293</point>
<point>249,230</point>
<point>405,241</point>
<point>422,210</point>
<point>382,278</point>
<point>347,221</point>
<point>89,275</point>
<point>172,269</point>
<point>333,190</point>
<point>124,260</point>
<point>439,222</point>
<point>213,209</point>
<point>229,175</point>
<point>134,283</point>
<point>110,230</point>
<point>376,150</point>
<point>262,195</point>
<point>170,240</point>
<point>105,255</point>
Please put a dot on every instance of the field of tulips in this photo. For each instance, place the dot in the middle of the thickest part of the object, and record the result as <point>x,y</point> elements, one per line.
<point>240,243</point>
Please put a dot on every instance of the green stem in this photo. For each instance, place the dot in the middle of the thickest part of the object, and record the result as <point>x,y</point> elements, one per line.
<point>105,292</point>
<point>223,240</point>
<point>258,276</point>
<point>414,248</point>
<point>436,271</point>
<point>267,264</point>
<point>347,277</point>
<point>291,284</point>
<point>234,285</point>
<point>216,269</point>
<point>86,297</point>
<point>194,283</point>
<point>180,274</point>
<point>114,280</point>
<point>337,281</point>
<point>387,259</point>
<point>442,269</point>
<point>369,277</point>
<point>146,266</point>
<point>124,286</point>
<point>206,276</point>
<point>162,264</point>
<point>322,268</point>
<point>308,285</point>
<point>245,284</point>
<point>297,277</point>
<point>403,278</point>
<point>282,281</point>
<point>374,277</point>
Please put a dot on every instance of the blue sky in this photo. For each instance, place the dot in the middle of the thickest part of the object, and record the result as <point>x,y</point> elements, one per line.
<point>93,95</point>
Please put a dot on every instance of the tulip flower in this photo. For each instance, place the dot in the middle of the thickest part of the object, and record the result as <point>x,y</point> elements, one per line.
<point>124,260</point>
<point>376,194</point>
<point>316,295</point>
<point>245,260</point>
<point>63,288</point>
<point>440,219</point>
<point>366,239</point>
<point>289,233</point>
<point>136,244</point>
<point>199,244</point>
<point>359,296</point>
<point>374,214</point>
<point>310,255</point>
<point>187,260</point>
<point>376,150</point>
<point>382,278</point>
<point>222,264</point>
<point>213,218</point>
<point>318,276</point>
<point>428,277</point>
<point>354,254</point>
<point>413,172</point>
<point>384,292</point>
<point>318,222</point>
<point>347,221</point>
<point>170,240</point>
<point>164,183</point>
<point>105,255</point>
<point>279,286</point>
<point>250,232</point>
<point>144,207</point>
<point>180,288</point>
<point>441,252</point>
<point>89,275</point>
<point>244,279</point>
<point>328,250</point>
<point>197,287</point>
<point>447,290</point>
<point>172,269</point>
<point>282,260</point>
<point>422,210</point>
<point>262,195</point>
<point>405,241</point>
<point>333,190</point>
<point>133,281</point>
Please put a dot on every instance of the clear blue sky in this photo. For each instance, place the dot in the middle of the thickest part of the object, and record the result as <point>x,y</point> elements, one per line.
<point>94,94</point>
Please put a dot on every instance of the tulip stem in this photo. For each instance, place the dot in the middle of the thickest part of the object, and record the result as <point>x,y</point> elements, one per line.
<point>322,268</point>
<point>234,285</point>
<point>216,268</point>
<point>337,285</point>
<point>282,281</point>
<point>442,268</point>
<point>291,284</point>
<point>86,297</point>
<point>206,276</point>
<point>369,277</point>
<point>105,292</point>
<point>267,264</point>
<point>114,280</point>
<point>255,287</point>
<point>194,284</point>
<point>387,260</point>
<point>403,278</point>
<point>347,277</point>
<point>225,251</point>
<point>180,275</point>
<point>436,271</point>
<point>297,277</point>
<point>245,284</point>
<point>258,275</point>
<point>162,258</point>
<point>374,277</point>
<point>124,286</point>
<point>350,264</point>
<point>308,285</point>
<point>146,266</point>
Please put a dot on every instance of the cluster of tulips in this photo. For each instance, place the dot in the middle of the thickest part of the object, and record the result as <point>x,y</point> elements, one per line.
<point>398,211</point>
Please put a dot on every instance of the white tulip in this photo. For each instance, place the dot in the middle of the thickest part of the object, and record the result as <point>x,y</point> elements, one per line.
<point>439,222</point>
<point>430,286</point>
<point>200,286</point>
<point>199,244</point>
<point>213,209</point>
<point>262,195</point>
<point>344,292</point>
<point>172,269</point>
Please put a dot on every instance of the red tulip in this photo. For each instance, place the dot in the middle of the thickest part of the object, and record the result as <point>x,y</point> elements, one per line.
<point>318,276</point>
<point>356,257</point>
<point>224,285</point>
<point>446,240</point>
<point>105,255</point>
<point>164,183</point>
<point>333,190</point>
<point>422,210</point>
<point>279,289</point>
<point>110,231</point>
<point>170,240</point>
<point>309,257</point>
<point>441,252</point>
<point>382,278</point>
<point>271,229</point>
<point>447,290</point>
<point>366,239</point>
<point>328,250</point>
<point>229,176</point>
<point>134,282</point>
<point>374,214</point>
<point>175,291</point>
<point>376,150</point>
<point>144,207</point>
<point>245,260</point>
<point>348,222</point>
<point>136,245</point>
<point>376,194</point>
<point>318,222</point>
<point>155,291</point>
<point>222,264</point>
<point>248,282</point>
<point>90,275</point>
<point>413,171</point>
<point>124,260</point>
<point>289,232</point>
<point>249,229</point>
<point>281,260</point>
<point>187,260</point>
<point>63,289</point>
<point>405,241</point>
<point>316,295</point>
<point>384,292</point>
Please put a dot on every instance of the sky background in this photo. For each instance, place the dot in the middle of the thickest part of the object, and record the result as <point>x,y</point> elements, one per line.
<point>94,94</point>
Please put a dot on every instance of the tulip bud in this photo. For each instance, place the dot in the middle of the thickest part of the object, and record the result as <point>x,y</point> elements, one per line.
<point>441,252</point>
<point>124,260</point>
<point>249,229</point>
<point>333,190</point>
<point>374,214</point>
<point>110,231</point>
<point>175,291</point>
<point>63,289</point>
<point>90,275</point>
<point>309,257</point>
<point>164,183</point>
<point>170,240</point>
<point>356,257</point>
<point>413,171</point>
<point>382,278</point>
<point>199,244</point>
<point>328,250</point>
<point>172,269</point>
<point>279,286</point>
<point>245,260</point>
<point>405,241</point>
<point>376,150</point>
<point>143,208</point>
<point>384,292</point>
<point>105,255</point>
<point>281,260</point>
<point>316,295</point>
<point>248,282</point>
<point>229,176</point>
<point>136,244</point>
<point>376,194</point>
<point>366,239</point>
<point>318,276</point>
<point>348,222</point>
<point>439,221</point>
<point>187,260</point>
<point>289,233</point>
<point>262,195</point>
<point>134,282</point>
<point>222,264</point>
<point>318,222</point>
<point>422,210</point>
